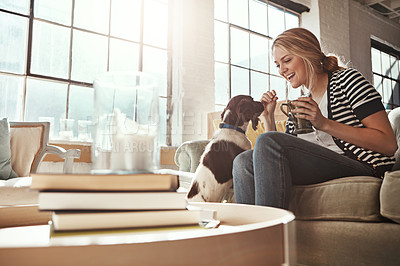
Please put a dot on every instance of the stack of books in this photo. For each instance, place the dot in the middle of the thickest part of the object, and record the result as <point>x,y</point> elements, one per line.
<point>93,202</point>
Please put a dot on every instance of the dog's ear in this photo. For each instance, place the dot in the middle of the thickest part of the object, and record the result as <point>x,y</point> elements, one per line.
<point>250,111</point>
<point>254,121</point>
<point>246,111</point>
<point>222,114</point>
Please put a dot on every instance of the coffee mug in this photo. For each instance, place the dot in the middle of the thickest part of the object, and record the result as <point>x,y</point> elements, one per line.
<point>301,125</point>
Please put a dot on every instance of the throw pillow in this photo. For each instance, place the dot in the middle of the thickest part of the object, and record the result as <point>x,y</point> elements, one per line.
<point>394,118</point>
<point>6,172</point>
<point>390,196</point>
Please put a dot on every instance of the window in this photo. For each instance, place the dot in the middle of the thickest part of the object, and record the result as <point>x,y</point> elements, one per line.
<point>244,30</point>
<point>386,71</point>
<point>51,53</point>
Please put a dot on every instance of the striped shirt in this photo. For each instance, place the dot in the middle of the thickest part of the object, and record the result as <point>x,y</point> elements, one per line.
<point>351,98</point>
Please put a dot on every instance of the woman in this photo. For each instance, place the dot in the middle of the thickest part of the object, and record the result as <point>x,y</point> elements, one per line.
<point>352,134</point>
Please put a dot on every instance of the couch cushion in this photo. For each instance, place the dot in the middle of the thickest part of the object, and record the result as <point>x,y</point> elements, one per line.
<point>6,171</point>
<point>390,196</point>
<point>345,199</point>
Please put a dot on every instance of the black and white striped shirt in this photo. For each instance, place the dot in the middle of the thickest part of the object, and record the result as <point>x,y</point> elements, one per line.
<point>351,98</point>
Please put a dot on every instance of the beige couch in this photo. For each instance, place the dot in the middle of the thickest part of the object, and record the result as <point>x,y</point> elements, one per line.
<point>348,221</point>
<point>28,145</point>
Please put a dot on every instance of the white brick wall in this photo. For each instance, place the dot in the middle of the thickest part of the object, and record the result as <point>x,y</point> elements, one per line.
<point>193,70</point>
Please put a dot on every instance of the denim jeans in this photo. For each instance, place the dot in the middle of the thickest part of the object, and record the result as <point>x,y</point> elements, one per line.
<point>265,175</point>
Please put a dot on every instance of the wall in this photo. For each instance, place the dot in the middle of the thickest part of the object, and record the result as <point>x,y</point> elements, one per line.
<point>365,24</point>
<point>193,69</point>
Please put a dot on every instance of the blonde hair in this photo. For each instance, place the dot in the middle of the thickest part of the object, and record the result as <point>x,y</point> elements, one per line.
<point>303,43</point>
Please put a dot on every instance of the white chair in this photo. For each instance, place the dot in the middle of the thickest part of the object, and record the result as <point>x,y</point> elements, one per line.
<point>29,143</point>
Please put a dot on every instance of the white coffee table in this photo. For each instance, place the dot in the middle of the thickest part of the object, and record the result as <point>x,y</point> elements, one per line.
<point>248,235</point>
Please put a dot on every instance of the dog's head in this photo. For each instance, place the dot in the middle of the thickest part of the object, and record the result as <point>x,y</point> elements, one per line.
<point>240,110</point>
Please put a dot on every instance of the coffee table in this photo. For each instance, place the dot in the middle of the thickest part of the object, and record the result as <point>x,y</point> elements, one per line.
<point>248,235</point>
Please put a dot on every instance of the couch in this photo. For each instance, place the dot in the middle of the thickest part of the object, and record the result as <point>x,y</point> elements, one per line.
<point>23,145</point>
<point>348,221</point>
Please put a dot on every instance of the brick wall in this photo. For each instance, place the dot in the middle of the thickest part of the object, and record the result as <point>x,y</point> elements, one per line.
<point>193,70</point>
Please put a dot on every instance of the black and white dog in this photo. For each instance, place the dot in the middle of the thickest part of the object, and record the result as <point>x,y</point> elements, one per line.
<point>213,177</point>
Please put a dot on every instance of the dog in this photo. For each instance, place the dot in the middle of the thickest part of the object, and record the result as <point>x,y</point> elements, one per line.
<point>213,178</point>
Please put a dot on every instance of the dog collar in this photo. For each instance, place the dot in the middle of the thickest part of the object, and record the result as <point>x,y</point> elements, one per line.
<point>222,125</point>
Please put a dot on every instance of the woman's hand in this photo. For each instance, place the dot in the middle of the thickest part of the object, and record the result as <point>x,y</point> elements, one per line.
<point>308,109</point>
<point>269,100</point>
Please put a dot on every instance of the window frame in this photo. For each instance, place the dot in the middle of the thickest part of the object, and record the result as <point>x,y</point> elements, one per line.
<point>71,82</point>
<point>229,64</point>
<point>388,50</point>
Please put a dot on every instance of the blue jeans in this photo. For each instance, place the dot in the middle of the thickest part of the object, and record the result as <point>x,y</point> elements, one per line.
<point>265,175</point>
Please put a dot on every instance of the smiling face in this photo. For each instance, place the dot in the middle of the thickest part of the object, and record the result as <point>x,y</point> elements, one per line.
<point>291,67</point>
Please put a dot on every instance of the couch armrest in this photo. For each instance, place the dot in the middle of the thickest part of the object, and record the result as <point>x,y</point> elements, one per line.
<point>187,156</point>
<point>67,155</point>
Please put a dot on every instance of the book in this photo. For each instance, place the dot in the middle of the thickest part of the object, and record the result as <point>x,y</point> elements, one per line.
<point>78,200</point>
<point>95,220</point>
<point>111,236</point>
<point>106,182</point>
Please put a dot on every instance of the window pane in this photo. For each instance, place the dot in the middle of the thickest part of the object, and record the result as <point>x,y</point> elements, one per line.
<point>80,105</point>
<point>385,64</point>
<point>221,83</point>
<point>394,68</point>
<point>58,11</point>
<point>396,93</point>
<point>221,42</point>
<point>259,53</point>
<point>45,99</point>
<point>258,17</point>
<point>238,13</point>
<point>81,101</point>
<point>259,84</point>
<point>125,19</point>
<point>221,10</point>
<point>18,6</point>
<point>11,97</point>
<point>163,121</point>
<point>387,90</point>
<point>272,66</point>
<point>276,21</point>
<point>50,50</point>
<point>376,60</point>
<point>92,15</point>
<point>13,43</point>
<point>124,55</point>
<point>155,62</point>
<point>239,47</point>
<point>88,60</point>
<point>155,28</point>
<point>279,85</point>
<point>292,20</point>
<point>239,81</point>
<point>378,84</point>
